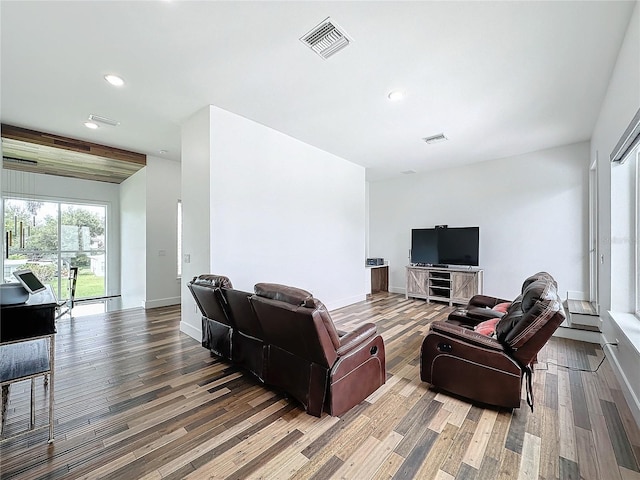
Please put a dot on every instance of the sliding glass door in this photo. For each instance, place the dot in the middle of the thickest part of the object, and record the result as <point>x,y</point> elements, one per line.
<point>49,237</point>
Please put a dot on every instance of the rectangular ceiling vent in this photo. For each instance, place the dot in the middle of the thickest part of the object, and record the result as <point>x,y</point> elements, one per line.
<point>326,39</point>
<point>104,120</point>
<point>20,161</point>
<point>435,138</point>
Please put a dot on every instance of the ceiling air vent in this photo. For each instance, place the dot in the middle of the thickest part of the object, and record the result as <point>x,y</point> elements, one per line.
<point>20,161</point>
<point>104,120</point>
<point>326,38</point>
<point>435,138</point>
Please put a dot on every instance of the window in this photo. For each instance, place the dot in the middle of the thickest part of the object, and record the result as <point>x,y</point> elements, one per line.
<point>637,233</point>
<point>179,224</point>
<point>625,221</point>
<point>593,233</point>
<point>49,236</point>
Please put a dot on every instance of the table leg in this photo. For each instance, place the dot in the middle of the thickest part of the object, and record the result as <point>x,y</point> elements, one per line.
<point>32,420</point>
<point>52,356</point>
<point>3,408</point>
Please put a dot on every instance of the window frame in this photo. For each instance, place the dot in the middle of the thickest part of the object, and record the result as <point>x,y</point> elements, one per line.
<point>628,149</point>
<point>179,239</point>
<point>637,233</point>
<point>594,251</point>
<point>59,252</point>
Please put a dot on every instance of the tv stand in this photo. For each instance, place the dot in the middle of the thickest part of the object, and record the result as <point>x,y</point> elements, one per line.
<point>450,284</point>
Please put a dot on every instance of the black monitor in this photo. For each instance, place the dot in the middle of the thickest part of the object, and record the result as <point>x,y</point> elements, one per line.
<point>445,246</point>
<point>424,246</point>
<point>458,246</point>
<point>29,281</point>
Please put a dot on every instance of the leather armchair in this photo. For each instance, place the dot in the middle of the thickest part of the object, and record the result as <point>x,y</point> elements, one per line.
<point>230,328</point>
<point>307,356</point>
<point>484,307</point>
<point>490,370</point>
<point>216,326</point>
<point>247,338</point>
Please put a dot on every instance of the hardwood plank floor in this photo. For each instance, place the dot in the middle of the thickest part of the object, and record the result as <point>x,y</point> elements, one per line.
<point>135,398</point>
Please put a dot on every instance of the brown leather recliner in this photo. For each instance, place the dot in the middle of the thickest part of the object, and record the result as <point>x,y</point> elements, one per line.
<point>307,357</point>
<point>216,326</point>
<point>490,369</point>
<point>230,328</point>
<point>247,338</point>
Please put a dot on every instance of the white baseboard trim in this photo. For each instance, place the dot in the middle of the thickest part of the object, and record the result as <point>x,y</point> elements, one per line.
<point>580,335</point>
<point>627,387</point>
<point>624,357</point>
<point>192,331</point>
<point>161,302</point>
<point>574,295</point>
<point>335,304</point>
<point>397,290</point>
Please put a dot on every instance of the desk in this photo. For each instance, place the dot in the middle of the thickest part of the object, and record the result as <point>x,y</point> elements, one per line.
<point>24,331</point>
<point>377,278</point>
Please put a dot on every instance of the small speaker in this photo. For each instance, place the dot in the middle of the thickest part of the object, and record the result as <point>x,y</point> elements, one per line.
<point>375,261</point>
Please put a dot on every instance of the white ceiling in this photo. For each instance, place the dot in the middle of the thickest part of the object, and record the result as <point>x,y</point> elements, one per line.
<point>497,78</point>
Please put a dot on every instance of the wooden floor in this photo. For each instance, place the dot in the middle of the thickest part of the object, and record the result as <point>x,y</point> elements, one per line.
<point>582,307</point>
<point>135,398</point>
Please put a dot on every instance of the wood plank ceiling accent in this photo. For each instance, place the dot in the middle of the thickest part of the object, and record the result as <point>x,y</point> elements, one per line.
<point>38,152</point>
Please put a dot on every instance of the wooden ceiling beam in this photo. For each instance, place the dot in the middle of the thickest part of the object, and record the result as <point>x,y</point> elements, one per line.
<point>37,152</point>
<point>71,144</point>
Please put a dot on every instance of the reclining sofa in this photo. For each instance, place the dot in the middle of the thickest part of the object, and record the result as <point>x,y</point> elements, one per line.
<point>229,327</point>
<point>285,337</point>
<point>489,367</point>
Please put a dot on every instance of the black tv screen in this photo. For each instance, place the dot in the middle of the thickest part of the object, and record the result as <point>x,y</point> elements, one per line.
<point>445,246</point>
<point>424,246</point>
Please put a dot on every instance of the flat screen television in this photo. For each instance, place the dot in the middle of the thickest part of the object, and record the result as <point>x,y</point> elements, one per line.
<point>445,246</point>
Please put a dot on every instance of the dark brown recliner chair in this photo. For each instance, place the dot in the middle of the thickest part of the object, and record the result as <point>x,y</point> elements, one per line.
<point>309,359</point>
<point>489,370</point>
<point>246,338</point>
<point>216,327</point>
<point>230,328</point>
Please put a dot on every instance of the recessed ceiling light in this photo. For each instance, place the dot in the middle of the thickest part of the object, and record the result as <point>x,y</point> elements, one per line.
<point>396,95</point>
<point>114,80</point>
<point>91,125</point>
<point>162,152</point>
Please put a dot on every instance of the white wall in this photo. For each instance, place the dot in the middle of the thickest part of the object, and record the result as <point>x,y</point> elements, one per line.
<point>532,211</point>
<point>133,206</point>
<point>273,209</point>
<point>283,211</point>
<point>149,235</point>
<point>80,191</point>
<point>616,279</point>
<point>196,158</point>
<point>162,195</point>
